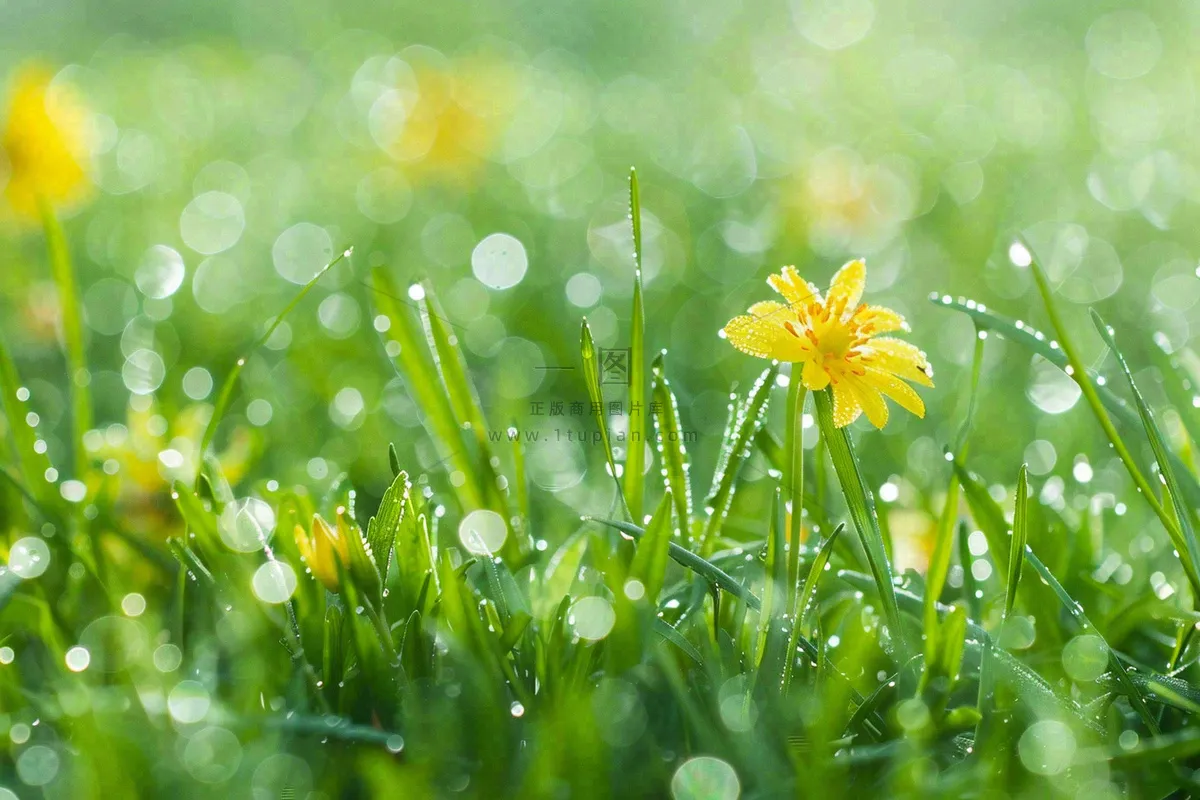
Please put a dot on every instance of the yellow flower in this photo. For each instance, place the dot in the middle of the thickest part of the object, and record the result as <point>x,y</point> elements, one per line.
<point>835,339</point>
<point>319,547</point>
<point>45,144</point>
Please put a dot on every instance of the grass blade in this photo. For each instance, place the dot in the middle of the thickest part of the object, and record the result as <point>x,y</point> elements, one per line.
<point>1020,536</point>
<point>31,465</point>
<point>1078,371</point>
<point>670,446</point>
<point>1136,698</point>
<point>1183,537</point>
<point>1177,383</point>
<point>775,566</point>
<point>736,449</point>
<point>72,329</point>
<point>1034,692</point>
<point>719,578</point>
<point>862,512</point>
<point>987,515</point>
<point>225,396</point>
<point>635,456</point>
<point>804,600</point>
<point>421,378</point>
<point>793,475</point>
<point>521,487</point>
<point>943,546</point>
<point>450,364</point>
<point>701,566</point>
<point>1037,342</point>
<point>650,559</point>
<point>591,374</point>
<point>939,564</point>
<point>383,527</point>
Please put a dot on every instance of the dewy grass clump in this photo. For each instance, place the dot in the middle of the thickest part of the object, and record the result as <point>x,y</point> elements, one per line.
<point>461,634</point>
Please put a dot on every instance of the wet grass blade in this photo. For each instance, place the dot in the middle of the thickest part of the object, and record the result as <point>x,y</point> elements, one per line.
<point>421,378</point>
<point>383,527</point>
<point>804,600</point>
<point>1033,690</point>
<point>72,331</point>
<point>1037,342</point>
<point>703,567</point>
<point>650,559</point>
<point>1148,753</point>
<point>671,448</point>
<point>862,512</point>
<point>1179,385</point>
<point>793,474</point>
<point>971,594</point>
<point>1136,698</point>
<point>451,366</point>
<point>943,545</point>
<point>719,578</point>
<point>1020,536</point>
<point>225,396</point>
<point>591,374</point>
<point>1183,537</point>
<point>943,658</point>
<point>736,449</point>
<point>775,594</point>
<point>987,515</point>
<point>939,563</point>
<point>670,634</point>
<point>964,432</point>
<point>468,412</point>
<point>635,457</point>
<point>200,521</point>
<point>31,465</point>
<point>1078,372</point>
<point>521,486</point>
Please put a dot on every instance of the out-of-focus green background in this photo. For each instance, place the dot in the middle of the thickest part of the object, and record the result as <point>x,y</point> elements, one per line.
<point>240,145</point>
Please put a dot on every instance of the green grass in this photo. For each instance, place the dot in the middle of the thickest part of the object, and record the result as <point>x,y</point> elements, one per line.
<point>740,648</point>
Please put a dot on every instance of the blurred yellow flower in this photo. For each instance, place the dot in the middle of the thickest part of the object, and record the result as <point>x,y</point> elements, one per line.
<point>140,459</point>
<point>453,117</point>
<point>842,202</point>
<point>834,338</point>
<point>319,547</point>
<point>44,144</point>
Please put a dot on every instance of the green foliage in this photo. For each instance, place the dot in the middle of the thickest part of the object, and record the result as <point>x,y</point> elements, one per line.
<point>205,642</point>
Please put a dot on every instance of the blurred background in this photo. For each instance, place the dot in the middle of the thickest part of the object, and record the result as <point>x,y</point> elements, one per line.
<point>234,149</point>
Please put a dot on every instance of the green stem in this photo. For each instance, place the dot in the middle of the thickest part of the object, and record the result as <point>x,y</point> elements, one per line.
<point>793,478</point>
<point>78,377</point>
<point>861,505</point>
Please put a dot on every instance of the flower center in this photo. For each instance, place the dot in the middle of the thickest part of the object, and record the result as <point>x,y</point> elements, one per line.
<point>834,342</point>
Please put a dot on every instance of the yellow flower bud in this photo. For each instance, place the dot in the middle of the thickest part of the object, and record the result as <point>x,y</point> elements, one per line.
<point>322,549</point>
<point>361,560</point>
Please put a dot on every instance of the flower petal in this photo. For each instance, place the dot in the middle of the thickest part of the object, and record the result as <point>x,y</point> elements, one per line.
<point>846,407</point>
<point>761,332</point>
<point>874,320</point>
<point>871,401</point>
<point>899,357</point>
<point>897,390</point>
<point>797,291</point>
<point>814,377</point>
<point>846,288</point>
